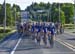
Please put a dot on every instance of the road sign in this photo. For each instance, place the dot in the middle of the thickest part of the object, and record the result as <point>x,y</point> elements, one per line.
<point>24,16</point>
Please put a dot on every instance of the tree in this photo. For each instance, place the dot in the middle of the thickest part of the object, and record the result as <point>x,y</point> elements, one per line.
<point>47,6</point>
<point>1,14</point>
<point>10,19</point>
<point>54,13</point>
<point>8,14</point>
<point>15,11</point>
<point>62,17</point>
<point>68,11</point>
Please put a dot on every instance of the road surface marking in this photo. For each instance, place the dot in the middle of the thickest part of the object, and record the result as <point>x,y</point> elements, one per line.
<point>13,51</point>
<point>66,44</point>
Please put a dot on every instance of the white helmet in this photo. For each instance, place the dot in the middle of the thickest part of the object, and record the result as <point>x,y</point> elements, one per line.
<point>52,24</point>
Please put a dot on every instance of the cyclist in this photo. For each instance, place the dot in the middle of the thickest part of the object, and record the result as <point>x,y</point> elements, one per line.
<point>51,29</point>
<point>45,33</point>
<point>38,29</point>
<point>33,31</point>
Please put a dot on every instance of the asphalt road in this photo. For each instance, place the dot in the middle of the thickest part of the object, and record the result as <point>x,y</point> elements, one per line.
<point>67,38</point>
<point>8,44</point>
<point>25,45</point>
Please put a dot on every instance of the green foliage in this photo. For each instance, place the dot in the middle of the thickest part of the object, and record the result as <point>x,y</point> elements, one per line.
<point>2,30</point>
<point>62,17</point>
<point>66,11</point>
<point>8,32</point>
<point>69,26</point>
<point>10,14</point>
<point>1,14</point>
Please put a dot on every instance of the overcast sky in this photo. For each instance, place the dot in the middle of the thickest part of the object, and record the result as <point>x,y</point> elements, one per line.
<point>24,3</point>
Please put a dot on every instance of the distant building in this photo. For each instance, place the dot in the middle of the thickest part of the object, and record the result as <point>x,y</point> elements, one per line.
<point>24,16</point>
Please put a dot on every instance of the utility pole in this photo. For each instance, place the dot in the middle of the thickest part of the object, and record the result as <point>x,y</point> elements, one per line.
<point>15,17</point>
<point>74,13</point>
<point>4,16</point>
<point>50,11</point>
<point>59,12</point>
<point>11,18</point>
<point>48,15</point>
<point>40,17</point>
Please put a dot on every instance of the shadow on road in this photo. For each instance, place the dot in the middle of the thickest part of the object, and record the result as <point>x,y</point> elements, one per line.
<point>71,39</point>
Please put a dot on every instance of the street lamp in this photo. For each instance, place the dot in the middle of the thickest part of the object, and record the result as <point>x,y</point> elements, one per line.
<point>4,15</point>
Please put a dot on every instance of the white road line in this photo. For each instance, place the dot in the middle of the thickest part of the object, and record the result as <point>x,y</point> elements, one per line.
<point>65,44</point>
<point>69,45</point>
<point>13,51</point>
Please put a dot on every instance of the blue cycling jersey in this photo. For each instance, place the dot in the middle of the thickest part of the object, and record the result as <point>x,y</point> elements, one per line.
<point>38,27</point>
<point>45,29</point>
<point>51,29</point>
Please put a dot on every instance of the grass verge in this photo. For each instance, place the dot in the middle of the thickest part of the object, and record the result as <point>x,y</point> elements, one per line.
<point>3,35</point>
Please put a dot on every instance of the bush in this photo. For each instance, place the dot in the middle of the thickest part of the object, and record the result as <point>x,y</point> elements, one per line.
<point>6,31</point>
<point>69,26</point>
<point>1,36</point>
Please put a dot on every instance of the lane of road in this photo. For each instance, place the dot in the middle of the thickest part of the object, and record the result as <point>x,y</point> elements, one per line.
<point>7,46</point>
<point>28,46</point>
<point>70,39</point>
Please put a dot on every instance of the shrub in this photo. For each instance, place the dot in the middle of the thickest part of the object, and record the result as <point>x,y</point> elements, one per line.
<point>69,26</point>
<point>6,31</point>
